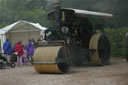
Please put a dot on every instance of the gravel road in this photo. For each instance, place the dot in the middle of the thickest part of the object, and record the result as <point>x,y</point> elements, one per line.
<point>114,74</point>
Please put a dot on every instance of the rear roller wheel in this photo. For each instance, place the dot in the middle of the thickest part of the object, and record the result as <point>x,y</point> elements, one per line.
<point>100,49</point>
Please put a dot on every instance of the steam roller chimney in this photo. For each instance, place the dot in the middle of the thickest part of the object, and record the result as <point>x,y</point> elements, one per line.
<point>57,6</point>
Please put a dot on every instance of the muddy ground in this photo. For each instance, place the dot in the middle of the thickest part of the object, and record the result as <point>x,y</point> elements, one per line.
<point>114,74</point>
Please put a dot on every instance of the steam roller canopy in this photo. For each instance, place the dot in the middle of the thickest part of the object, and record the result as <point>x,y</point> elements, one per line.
<point>99,49</point>
<point>50,60</point>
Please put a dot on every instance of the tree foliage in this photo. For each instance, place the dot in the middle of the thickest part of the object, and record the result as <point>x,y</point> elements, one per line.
<point>118,41</point>
<point>14,10</point>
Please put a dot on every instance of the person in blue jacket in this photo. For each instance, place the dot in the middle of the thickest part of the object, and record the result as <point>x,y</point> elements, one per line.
<point>7,49</point>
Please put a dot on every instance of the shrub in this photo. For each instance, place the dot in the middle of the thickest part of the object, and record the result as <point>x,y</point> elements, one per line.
<point>117,40</point>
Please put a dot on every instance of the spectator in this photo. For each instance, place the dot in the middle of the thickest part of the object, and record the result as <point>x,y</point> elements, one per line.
<point>33,42</point>
<point>13,48</point>
<point>7,49</point>
<point>30,50</point>
<point>41,37</point>
<point>19,49</point>
<point>37,42</point>
<point>25,56</point>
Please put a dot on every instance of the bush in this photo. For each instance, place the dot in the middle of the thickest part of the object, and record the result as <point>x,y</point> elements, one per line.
<point>117,40</point>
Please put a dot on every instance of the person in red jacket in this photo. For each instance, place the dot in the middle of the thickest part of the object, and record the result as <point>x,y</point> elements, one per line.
<point>19,50</point>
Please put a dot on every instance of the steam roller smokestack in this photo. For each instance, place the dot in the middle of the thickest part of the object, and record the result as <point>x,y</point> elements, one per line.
<point>58,15</point>
<point>57,6</point>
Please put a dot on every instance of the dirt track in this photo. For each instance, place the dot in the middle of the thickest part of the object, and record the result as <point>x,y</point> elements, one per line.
<point>114,74</point>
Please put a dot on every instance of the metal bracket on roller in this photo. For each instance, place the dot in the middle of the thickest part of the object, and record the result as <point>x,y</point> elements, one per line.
<point>45,62</point>
<point>92,50</point>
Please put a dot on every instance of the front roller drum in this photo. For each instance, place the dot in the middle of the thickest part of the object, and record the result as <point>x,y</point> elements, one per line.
<point>100,50</point>
<point>50,60</point>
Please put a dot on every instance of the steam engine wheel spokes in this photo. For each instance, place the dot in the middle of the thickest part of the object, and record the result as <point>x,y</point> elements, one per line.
<point>99,47</point>
<point>47,60</point>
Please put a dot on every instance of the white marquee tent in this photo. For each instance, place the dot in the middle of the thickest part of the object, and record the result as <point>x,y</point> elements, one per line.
<point>21,30</point>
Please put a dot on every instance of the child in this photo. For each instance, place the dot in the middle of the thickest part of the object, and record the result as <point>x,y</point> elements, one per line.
<point>25,58</point>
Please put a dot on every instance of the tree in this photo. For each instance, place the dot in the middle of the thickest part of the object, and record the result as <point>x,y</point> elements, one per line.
<point>29,10</point>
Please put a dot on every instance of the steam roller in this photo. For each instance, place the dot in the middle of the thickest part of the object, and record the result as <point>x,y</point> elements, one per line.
<point>76,38</point>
